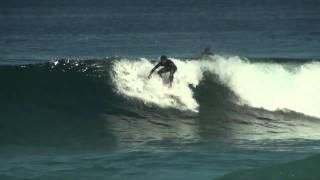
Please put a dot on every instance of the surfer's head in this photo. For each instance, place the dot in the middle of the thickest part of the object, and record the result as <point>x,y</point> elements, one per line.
<point>163,59</point>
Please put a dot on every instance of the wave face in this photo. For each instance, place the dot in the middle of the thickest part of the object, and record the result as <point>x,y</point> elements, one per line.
<point>89,100</point>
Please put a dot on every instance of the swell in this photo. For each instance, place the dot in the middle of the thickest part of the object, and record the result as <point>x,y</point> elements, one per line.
<point>71,102</point>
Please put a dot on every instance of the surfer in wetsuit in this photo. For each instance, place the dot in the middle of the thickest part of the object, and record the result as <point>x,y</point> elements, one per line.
<point>206,52</point>
<point>169,66</point>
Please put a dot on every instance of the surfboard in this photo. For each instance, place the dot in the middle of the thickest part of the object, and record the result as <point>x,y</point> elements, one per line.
<point>176,99</point>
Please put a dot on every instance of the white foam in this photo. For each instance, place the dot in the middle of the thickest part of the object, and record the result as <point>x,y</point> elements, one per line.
<point>263,85</point>
<point>272,86</point>
<point>130,78</point>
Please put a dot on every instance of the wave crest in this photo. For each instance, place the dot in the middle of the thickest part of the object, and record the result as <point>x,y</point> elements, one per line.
<point>272,86</point>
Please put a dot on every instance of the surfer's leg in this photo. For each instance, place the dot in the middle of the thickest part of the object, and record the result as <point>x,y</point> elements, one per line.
<point>172,71</point>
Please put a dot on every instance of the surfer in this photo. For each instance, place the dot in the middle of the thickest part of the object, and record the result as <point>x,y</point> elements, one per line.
<point>206,52</point>
<point>169,66</point>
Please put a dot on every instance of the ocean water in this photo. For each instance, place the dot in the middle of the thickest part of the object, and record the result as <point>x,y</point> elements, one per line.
<point>75,101</point>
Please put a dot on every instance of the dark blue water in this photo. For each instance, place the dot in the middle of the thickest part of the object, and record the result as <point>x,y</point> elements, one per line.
<point>75,104</point>
<point>34,31</point>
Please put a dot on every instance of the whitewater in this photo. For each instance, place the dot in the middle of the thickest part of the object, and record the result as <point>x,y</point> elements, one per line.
<point>268,85</point>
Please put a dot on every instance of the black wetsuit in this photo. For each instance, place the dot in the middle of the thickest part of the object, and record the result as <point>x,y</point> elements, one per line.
<point>169,66</point>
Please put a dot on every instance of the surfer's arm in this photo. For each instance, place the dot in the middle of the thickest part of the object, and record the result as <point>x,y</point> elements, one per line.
<point>153,69</point>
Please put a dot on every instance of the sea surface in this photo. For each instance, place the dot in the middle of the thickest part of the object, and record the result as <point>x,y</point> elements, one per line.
<point>76,103</point>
